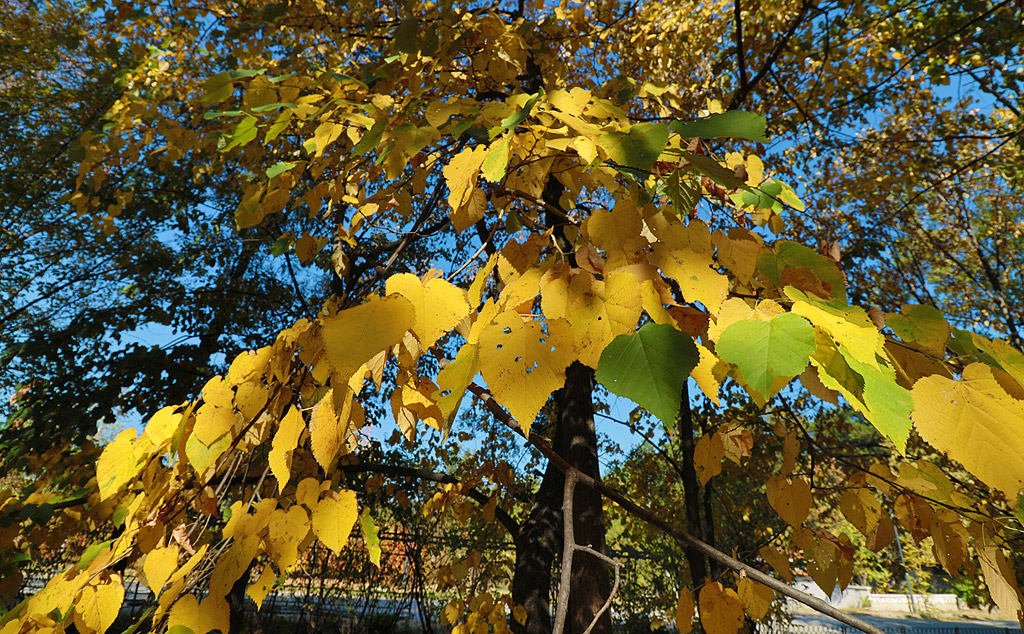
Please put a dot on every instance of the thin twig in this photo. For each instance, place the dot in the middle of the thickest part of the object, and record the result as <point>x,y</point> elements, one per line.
<point>616,565</point>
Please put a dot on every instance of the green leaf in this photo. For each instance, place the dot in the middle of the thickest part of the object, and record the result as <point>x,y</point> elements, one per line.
<point>214,114</point>
<point>882,400</point>
<point>741,125</point>
<point>371,137</point>
<point>242,73</point>
<point>793,255</point>
<point>274,106</point>
<point>245,131</point>
<point>768,353</point>
<point>649,367</point>
<point>459,128</point>
<point>920,324</point>
<point>405,36</point>
<point>91,552</point>
<point>682,192</point>
<point>279,168</point>
<point>714,170</point>
<point>520,115</point>
<point>496,161</point>
<point>217,88</point>
<point>637,148</point>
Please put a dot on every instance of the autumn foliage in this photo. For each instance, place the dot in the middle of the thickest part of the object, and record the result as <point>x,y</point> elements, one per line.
<point>504,229</point>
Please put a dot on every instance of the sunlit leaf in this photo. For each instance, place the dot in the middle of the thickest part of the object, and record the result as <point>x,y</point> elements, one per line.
<point>649,367</point>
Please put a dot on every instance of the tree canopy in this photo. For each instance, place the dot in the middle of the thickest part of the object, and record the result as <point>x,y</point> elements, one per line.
<point>777,229</point>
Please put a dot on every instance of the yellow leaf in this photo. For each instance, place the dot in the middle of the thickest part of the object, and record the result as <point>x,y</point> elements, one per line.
<point>412,402</point>
<point>213,422</point>
<point>735,310</point>
<point>519,614</point>
<point>284,443</point>
<point>97,606</point>
<point>461,174</point>
<point>330,428</point>
<point>249,366</point>
<point>777,560</point>
<point>849,326</point>
<point>305,248</point>
<point>333,519</point>
<point>190,565</point>
<point>523,364</point>
<point>476,288</point>
<point>708,456</point>
<point>202,456</point>
<point>1009,358</point>
<point>308,492</point>
<point>259,590</point>
<point>570,102</point>
<point>200,618</point>
<point>326,133</point>
<point>354,336</point>
<point>439,305</point>
<point>720,609</point>
<point>162,426</point>
<point>159,564</point>
<point>454,378</point>
<point>738,442</point>
<point>600,310</point>
<point>709,373</point>
<point>618,234</point>
<point>684,254</point>
<point>452,611</point>
<point>738,251</point>
<point>684,611</point>
<point>998,571</point>
<point>862,509</point>
<point>790,497</point>
<point>116,466</point>
<point>755,597</point>
<point>233,563</point>
<point>976,423</point>
<point>287,529</point>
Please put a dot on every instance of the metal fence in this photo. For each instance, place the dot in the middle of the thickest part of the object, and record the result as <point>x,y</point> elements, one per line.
<point>915,627</point>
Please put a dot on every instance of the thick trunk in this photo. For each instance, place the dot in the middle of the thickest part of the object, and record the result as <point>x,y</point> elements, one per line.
<point>590,576</point>
<point>538,541</point>
<point>540,537</point>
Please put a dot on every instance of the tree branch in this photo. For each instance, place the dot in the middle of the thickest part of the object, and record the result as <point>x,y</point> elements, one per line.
<point>568,547</point>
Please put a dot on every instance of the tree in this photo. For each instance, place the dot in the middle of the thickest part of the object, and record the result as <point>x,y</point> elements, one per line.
<point>593,232</point>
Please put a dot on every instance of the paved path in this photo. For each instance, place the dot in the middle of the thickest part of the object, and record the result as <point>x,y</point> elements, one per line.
<point>911,624</point>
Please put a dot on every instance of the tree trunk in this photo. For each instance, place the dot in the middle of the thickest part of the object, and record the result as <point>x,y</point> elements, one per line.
<point>539,539</point>
<point>590,576</point>
<point>691,489</point>
<point>536,545</point>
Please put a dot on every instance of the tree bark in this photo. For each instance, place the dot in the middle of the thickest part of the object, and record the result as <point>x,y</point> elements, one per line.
<point>539,538</point>
<point>590,576</point>
<point>536,545</point>
<point>691,489</point>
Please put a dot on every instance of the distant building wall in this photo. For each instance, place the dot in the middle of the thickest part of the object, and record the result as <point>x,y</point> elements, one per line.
<point>861,596</point>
